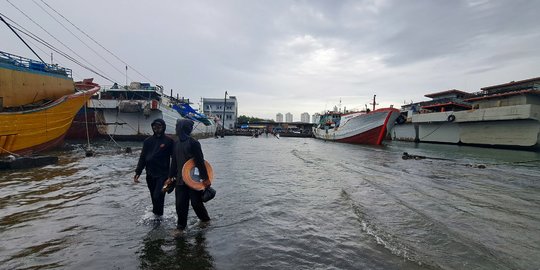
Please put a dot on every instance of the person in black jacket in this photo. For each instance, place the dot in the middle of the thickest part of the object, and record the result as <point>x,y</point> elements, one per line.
<point>155,157</point>
<point>184,149</point>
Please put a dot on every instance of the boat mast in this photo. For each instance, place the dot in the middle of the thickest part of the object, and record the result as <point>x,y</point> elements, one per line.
<point>374,103</point>
<point>126,76</point>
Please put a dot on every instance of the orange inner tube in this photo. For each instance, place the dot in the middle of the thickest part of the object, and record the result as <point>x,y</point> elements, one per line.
<point>187,174</point>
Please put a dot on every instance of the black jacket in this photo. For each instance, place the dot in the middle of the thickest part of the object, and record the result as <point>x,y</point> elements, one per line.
<point>185,148</point>
<point>156,155</point>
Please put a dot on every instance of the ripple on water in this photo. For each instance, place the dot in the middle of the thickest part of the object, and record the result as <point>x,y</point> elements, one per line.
<point>281,204</point>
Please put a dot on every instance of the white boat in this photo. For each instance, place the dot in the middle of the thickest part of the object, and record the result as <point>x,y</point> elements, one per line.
<point>126,113</point>
<point>356,127</point>
<point>505,115</point>
<point>447,102</point>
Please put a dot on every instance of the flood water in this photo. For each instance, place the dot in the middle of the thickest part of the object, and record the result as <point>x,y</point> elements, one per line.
<point>288,203</point>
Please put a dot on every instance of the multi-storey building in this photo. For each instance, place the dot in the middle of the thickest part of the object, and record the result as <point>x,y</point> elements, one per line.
<point>288,117</point>
<point>315,118</point>
<point>214,107</point>
<point>279,117</point>
<point>304,117</point>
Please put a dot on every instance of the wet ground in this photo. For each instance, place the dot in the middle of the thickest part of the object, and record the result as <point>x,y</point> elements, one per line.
<point>288,203</point>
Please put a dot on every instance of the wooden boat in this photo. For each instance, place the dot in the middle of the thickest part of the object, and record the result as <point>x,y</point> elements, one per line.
<point>30,125</point>
<point>356,127</point>
<point>84,125</point>
<point>25,81</point>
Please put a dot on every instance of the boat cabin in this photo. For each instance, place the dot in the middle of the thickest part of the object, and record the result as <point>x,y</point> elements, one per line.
<point>27,82</point>
<point>329,120</point>
<point>444,101</point>
<point>449,100</point>
<point>508,94</point>
<point>135,91</point>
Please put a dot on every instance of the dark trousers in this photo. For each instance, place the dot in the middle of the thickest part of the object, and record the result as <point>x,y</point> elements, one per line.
<point>183,195</point>
<point>155,184</point>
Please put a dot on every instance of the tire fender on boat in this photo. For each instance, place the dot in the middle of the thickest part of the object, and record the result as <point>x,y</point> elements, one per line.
<point>451,118</point>
<point>188,177</point>
<point>401,119</point>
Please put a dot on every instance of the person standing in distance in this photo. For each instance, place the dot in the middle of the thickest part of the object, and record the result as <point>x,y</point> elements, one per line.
<point>155,157</point>
<point>184,149</point>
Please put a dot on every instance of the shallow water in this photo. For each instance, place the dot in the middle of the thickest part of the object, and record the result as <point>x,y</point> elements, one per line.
<point>286,203</point>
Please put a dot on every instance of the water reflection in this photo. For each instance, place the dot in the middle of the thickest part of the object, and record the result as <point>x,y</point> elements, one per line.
<point>161,251</point>
<point>282,205</point>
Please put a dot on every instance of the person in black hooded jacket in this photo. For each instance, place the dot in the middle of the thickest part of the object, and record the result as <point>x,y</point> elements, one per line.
<point>184,149</point>
<point>155,157</point>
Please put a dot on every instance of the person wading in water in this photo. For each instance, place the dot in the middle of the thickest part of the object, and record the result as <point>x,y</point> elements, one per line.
<point>155,157</point>
<point>184,149</point>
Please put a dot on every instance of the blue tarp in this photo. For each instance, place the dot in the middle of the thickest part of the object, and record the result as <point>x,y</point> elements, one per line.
<point>186,111</point>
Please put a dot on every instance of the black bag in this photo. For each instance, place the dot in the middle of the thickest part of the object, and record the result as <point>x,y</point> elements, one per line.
<point>208,194</point>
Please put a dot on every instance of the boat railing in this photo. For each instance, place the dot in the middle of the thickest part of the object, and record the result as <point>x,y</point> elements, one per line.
<point>131,87</point>
<point>443,101</point>
<point>507,89</point>
<point>27,63</point>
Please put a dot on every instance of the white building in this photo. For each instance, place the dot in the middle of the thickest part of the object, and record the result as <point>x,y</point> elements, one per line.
<point>304,117</point>
<point>213,107</point>
<point>279,117</point>
<point>316,118</point>
<point>288,117</point>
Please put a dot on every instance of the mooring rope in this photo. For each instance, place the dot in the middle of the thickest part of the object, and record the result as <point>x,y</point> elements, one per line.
<point>407,156</point>
<point>5,150</point>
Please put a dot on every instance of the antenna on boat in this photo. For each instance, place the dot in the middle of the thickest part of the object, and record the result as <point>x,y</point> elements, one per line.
<point>126,75</point>
<point>374,103</point>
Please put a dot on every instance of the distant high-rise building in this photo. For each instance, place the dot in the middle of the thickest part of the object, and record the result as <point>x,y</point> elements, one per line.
<point>315,118</point>
<point>288,117</point>
<point>279,117</point>
<point>304,117</point>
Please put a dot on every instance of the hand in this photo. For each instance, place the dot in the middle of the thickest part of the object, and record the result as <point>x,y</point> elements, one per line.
<point>136,179</point>
<point>206,183</point>
<point>167,185</point>
<point>168,181</point>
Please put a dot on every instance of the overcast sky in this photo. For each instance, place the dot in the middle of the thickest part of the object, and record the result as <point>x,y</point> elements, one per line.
<point>292,56</point>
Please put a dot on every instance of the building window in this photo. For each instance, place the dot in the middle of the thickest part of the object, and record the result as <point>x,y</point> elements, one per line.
<point>208,107</point>
<point>228,117</point>
<point>229,107</point>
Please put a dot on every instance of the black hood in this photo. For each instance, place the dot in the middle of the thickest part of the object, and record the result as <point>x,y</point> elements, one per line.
<point>183,128</point>
<point>159,120</point>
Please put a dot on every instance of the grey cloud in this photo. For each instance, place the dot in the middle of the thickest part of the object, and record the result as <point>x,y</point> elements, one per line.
<point>397,49</point>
